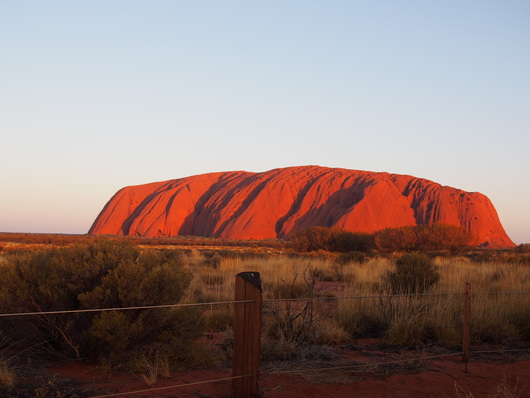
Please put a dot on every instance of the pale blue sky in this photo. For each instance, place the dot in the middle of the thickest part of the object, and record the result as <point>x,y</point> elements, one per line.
<point>97,95</point>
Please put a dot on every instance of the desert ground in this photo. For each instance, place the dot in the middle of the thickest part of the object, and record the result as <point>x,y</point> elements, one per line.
<point>343,357</point>
<point>497,376</point>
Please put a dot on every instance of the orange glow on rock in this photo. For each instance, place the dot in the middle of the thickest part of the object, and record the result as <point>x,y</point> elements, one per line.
<point>275,203</point>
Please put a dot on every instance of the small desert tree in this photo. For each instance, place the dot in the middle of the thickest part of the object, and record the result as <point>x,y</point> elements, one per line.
<point>429,237</point>
<point>310,239</point>
<point>333,239</point>
<point>396,239</point>
<point>440,236</point>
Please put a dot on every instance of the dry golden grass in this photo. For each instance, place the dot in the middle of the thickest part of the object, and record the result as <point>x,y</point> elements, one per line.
<point>503,390</point>
<point>498,317</point>
<point>150,368</point>
<point>217,283</point>
<point>8,373</point>
<point>337,316</point>
<point>437,318</point>
<point>8,376</point>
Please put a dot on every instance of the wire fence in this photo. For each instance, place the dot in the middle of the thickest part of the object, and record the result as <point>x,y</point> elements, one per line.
<point>352,366</point>
<point>368,364</point>
<point>377,296</point>
<point>230,302</point>
<point>144,307</point>
<point>150,390</point>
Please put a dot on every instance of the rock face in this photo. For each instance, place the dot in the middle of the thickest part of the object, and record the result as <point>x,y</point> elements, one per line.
<point>273,204</point>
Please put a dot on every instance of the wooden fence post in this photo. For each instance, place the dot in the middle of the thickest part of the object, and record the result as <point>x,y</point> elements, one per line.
<point>247,335</point>
<point>466,343</point>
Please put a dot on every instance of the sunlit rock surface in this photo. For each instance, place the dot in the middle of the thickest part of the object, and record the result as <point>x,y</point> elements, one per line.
<point>272,204</point>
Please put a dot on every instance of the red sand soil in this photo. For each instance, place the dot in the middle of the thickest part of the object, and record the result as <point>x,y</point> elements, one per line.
<point>442,377</point>
<point>445,378</point>
<point>273,204</point>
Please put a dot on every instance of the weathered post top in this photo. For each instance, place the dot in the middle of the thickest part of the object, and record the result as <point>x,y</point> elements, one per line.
<point>253,278</point>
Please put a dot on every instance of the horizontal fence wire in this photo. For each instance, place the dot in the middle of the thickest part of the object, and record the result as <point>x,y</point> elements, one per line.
<point>168,387</point>
<point>499,351</point>
<point>378,296</point>
<point>144,307</point>
<point>496,293</point>
<point>328,298</point>
<point>306,370</point>
<point>368,364</point>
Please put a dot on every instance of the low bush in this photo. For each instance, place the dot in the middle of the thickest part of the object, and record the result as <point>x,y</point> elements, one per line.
<point>351,257</point>
<point>8,372</point>
<point>100,275</point>
<point>52,281</point>
<point>8,376</point>
<point>414,274</point>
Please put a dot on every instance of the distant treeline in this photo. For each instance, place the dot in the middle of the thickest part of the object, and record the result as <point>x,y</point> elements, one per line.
<point>66,239</point>
<point>419,238</point>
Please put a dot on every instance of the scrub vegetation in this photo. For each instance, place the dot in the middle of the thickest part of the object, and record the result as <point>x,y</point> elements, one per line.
<point>104,275</point>
<point>405,299</point>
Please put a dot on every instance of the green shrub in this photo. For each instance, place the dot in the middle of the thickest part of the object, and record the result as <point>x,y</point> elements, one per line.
<point>414,274</point>
<point>115,335</point>
<point>100,275</point>
<point>52,281</point>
